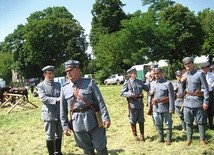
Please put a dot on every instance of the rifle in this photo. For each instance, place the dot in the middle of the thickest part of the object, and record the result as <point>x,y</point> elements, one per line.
<point>128,107</point>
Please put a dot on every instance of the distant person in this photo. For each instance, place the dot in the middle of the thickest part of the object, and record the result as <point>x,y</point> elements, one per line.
<point>179,88</point>
<point>210,81</point>
<point>49,94</point>
<point>150,82</point>
<point>212,69</point>
<point>163,105</point>
<point>132,90</point>
<point>195,102</point>
<point>81,99</point>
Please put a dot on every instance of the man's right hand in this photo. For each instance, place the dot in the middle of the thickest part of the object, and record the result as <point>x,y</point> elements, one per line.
<point>67,132</point>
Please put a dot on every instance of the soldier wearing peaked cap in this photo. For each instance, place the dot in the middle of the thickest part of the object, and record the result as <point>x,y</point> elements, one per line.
<point>195,102</point>
<point>163,105</point>
<point>188,60</point>
<point>179,87</point>
<point>49,94</point>
<point>83,99</point>
<point>205,67</point>
<point>132,90</point>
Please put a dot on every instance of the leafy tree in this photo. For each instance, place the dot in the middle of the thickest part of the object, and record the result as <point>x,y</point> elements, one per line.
<point>157,5</point>
<point>107,16</point>
<point>206,18</point>
<point>51,36</point>
<point>181,34</point>
<point>5,67</point>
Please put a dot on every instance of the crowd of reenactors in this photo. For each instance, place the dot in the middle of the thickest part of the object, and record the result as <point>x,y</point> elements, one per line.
<point>74,108</point>
<point>190,96</point>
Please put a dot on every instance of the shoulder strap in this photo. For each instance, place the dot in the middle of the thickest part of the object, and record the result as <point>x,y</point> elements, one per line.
<point>129,85</point>
<point>75,97</point>
<point>81,97</point>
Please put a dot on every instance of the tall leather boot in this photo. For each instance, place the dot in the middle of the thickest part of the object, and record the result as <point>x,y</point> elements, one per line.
<point>102,152</point>
<point>142,132</point>
<point>58,144</point>
<point>134,131</point>
<point>50,146</point>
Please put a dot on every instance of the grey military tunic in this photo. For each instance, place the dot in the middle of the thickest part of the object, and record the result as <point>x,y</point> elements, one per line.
<point>179,93</point>
<point>86,132</point>
<point>163,88</point>
<point>134,86</point>
<point>91,93</point>
<point>48,92</point>
<point>195,80</point>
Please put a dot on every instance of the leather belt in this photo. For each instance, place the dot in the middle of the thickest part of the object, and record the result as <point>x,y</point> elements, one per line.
<point>199,93</point>
<point>162,100</point>
<point>179,97</point>
<point>81,109</point>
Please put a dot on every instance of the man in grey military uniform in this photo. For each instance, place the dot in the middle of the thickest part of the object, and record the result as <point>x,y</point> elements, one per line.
<point>163,105</point>
<point>205,67</point>
<point>80,97</point>
<point>49,94</point>
<point>195,102</point>
<point>132,90</point>
<point>179,87</point>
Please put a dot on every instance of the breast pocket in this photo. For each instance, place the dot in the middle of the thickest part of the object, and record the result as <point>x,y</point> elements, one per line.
<point>163,91</point>
<point>86,93</point>
<point>69,98</point>
<point>196,85</point>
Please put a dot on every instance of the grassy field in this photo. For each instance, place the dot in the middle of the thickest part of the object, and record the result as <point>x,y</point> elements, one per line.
<point>22,132</point>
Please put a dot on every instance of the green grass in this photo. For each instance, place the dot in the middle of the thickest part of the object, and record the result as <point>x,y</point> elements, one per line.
<point>22,132</point>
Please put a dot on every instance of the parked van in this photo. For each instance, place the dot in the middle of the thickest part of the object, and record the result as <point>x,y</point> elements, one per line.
<point>143,69</point>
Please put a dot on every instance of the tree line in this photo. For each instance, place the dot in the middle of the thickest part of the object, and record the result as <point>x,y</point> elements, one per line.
<point>166,31</point>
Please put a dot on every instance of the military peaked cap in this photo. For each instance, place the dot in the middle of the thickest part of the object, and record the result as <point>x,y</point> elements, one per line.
<point>48,68</point>
<point>178,72</point>
<point>132,69</point>
<point>71,63</point>
<point>158,70</point>
<point>188,59</point>
<point>205,64</point>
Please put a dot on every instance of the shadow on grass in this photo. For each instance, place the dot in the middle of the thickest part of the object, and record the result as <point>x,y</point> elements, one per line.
<point>115,152</point>
<point>111,152</point>
<point>71,154</point>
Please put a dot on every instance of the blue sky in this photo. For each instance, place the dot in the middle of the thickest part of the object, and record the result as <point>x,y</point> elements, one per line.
<point>15,12</point>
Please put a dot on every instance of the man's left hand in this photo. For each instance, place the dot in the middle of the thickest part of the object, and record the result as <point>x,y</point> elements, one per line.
<point>106,124</point>
<point>205,106</point>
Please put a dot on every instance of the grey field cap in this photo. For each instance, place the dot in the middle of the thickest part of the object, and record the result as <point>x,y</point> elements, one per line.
<point>188,59</point>
<point>178,72</point>
<point>71,63</point>
<point>205,64</point>
<point>48,68</point>
<point>132,69</point>
<point>158,70</point>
